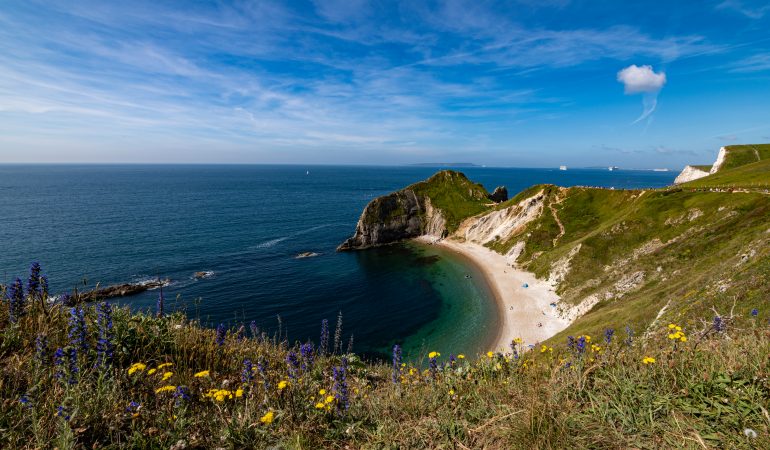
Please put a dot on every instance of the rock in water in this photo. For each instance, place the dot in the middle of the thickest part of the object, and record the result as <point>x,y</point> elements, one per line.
<point>499,195</point>
<point>306,255</point>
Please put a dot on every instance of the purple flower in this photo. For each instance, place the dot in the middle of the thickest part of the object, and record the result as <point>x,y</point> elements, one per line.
<point>221,333</point>
<point>248,371</point>
<point>133,407</point>
<point>41,350</point>
<point>58,362</point>
<point>33,282</point>
<point>755,312</point>
<point>17,303</point>
<point>324,348</point>
<point>25,401</point>
<point>61,411</point>
<point>77,328</point>
<point>580,346</point>
<point>608,333</point>
<point>72,357</point>
<point>571,342</point>
<point>308,354</point>
<point>181,395</point>
<point>433,365</point>
<point>293,364</point>
<point>719,325</point>
<point>629,336</point>
<point>341,387</point>
<point>104,346</point>
<point>396,363</point>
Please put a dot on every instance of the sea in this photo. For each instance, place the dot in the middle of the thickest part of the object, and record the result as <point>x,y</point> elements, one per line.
<point>245,225</point>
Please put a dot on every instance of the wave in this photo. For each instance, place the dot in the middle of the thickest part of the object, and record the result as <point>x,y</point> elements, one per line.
<point>276,241</point>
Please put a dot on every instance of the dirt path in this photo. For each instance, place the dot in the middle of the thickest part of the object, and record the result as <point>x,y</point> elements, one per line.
<point>559,199</point>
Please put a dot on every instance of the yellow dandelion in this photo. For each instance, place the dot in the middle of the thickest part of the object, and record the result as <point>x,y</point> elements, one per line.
<point>319,405</point>
<point>165,389</point>
<point>490,354</point>
<point>167,375</point>
<point>267,419</point>
<point>168,364</point>
<point>671,326</point>
<point>678,328</point>
<point>329,399</point>
<point>460,356</point>
<point>451,392</point>
<point>683,338</point>
<point>136,367</point>
<point>434,354</point>
<point>238,393</point>
<point>151,371</point>
<point>322,392</point>
<point>518,340</point>
<point>201,374</point>
<point>648,360</point>
<point>282,385</point>
<point>543,349</point>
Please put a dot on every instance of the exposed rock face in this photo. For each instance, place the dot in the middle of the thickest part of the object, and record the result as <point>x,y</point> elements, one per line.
<point>394,217</point>
<point>690,173</point>
<point>428,208</point>
<point>499,195</point>
<point>501,223</point>
<point>720,160</point>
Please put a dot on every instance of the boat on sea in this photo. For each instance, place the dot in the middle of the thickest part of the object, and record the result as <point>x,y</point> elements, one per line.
<point>562,167</point>
<point>611,168</point>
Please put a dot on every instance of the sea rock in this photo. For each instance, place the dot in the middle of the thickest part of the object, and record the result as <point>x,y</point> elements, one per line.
<point>306,255</point>
<point>118,290</point>
<point>499,195</point>
<point>203,274</point>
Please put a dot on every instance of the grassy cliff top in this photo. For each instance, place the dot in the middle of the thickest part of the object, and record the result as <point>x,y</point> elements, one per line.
<point>752,175</point>
<point>739,155</point>
<point>453,193</point>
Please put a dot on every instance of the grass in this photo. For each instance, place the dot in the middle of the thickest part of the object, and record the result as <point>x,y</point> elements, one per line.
<point>699,393</point>
<point>739,155</point>
<point>753,175</point>
<point>454,194</point>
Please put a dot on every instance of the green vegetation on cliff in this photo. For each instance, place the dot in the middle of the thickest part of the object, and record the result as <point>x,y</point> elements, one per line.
<point>455,195</point>
<point>754,175</point>
<point>739,155</point>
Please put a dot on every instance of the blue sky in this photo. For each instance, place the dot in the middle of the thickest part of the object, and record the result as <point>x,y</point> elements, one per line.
<point>528,83</point>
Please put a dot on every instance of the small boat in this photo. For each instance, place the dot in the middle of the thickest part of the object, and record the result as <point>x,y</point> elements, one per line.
<point>307,173</point>
<point>562,167</point>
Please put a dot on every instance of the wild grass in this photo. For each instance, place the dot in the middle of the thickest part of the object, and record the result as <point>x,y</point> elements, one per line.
<point>597,392</point>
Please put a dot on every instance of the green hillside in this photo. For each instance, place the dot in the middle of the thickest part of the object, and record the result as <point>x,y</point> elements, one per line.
<point>739,155</point>
<point>753,175</point>
<point>454,194</point>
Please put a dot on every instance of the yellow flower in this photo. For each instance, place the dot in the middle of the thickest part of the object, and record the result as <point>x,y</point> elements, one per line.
<point>671,326</point>
<point>167,375</point>
<point>151,371</point>
<point>319,405</point>
<point>678,328</point>
<point>683,338</point>
<point>451,392</point>
<point>165,389</point>
<point>239,393</point>
<point>165,365</point>
<point>267,419</point>
<point>648,360</point>
<point>329,399</point>
<point>518,340</point>
<point>434,354</point>
<point>322,392</point>
<point>543,349</point>
<point>460,356</point>
<point>136,366</point>
<point>490,354</point>
<point>282,385</point>
<point>201,374</point>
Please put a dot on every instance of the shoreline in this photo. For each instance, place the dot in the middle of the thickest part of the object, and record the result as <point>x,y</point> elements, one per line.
<point>520,309</point>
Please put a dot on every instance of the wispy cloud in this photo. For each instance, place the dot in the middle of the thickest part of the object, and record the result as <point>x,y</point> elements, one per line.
<point>643,80</point>
<point>750,11</point>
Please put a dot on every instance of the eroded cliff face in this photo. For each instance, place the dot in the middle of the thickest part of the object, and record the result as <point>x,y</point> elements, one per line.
<point>502,223</point>
<point>394,217</point>
<point>411,212</point>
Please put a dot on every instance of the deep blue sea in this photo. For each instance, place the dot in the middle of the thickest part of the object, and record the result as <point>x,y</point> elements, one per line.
<point>118,223</point>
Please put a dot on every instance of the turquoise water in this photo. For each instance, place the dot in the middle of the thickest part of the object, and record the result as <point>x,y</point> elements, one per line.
<point>246,224</point>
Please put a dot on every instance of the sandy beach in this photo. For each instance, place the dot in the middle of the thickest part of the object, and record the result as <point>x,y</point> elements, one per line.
<point>521,308</point>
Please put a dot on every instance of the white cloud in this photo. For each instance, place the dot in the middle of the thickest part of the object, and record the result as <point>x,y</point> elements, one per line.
<point>738,6</point>
<point>638,79</point>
